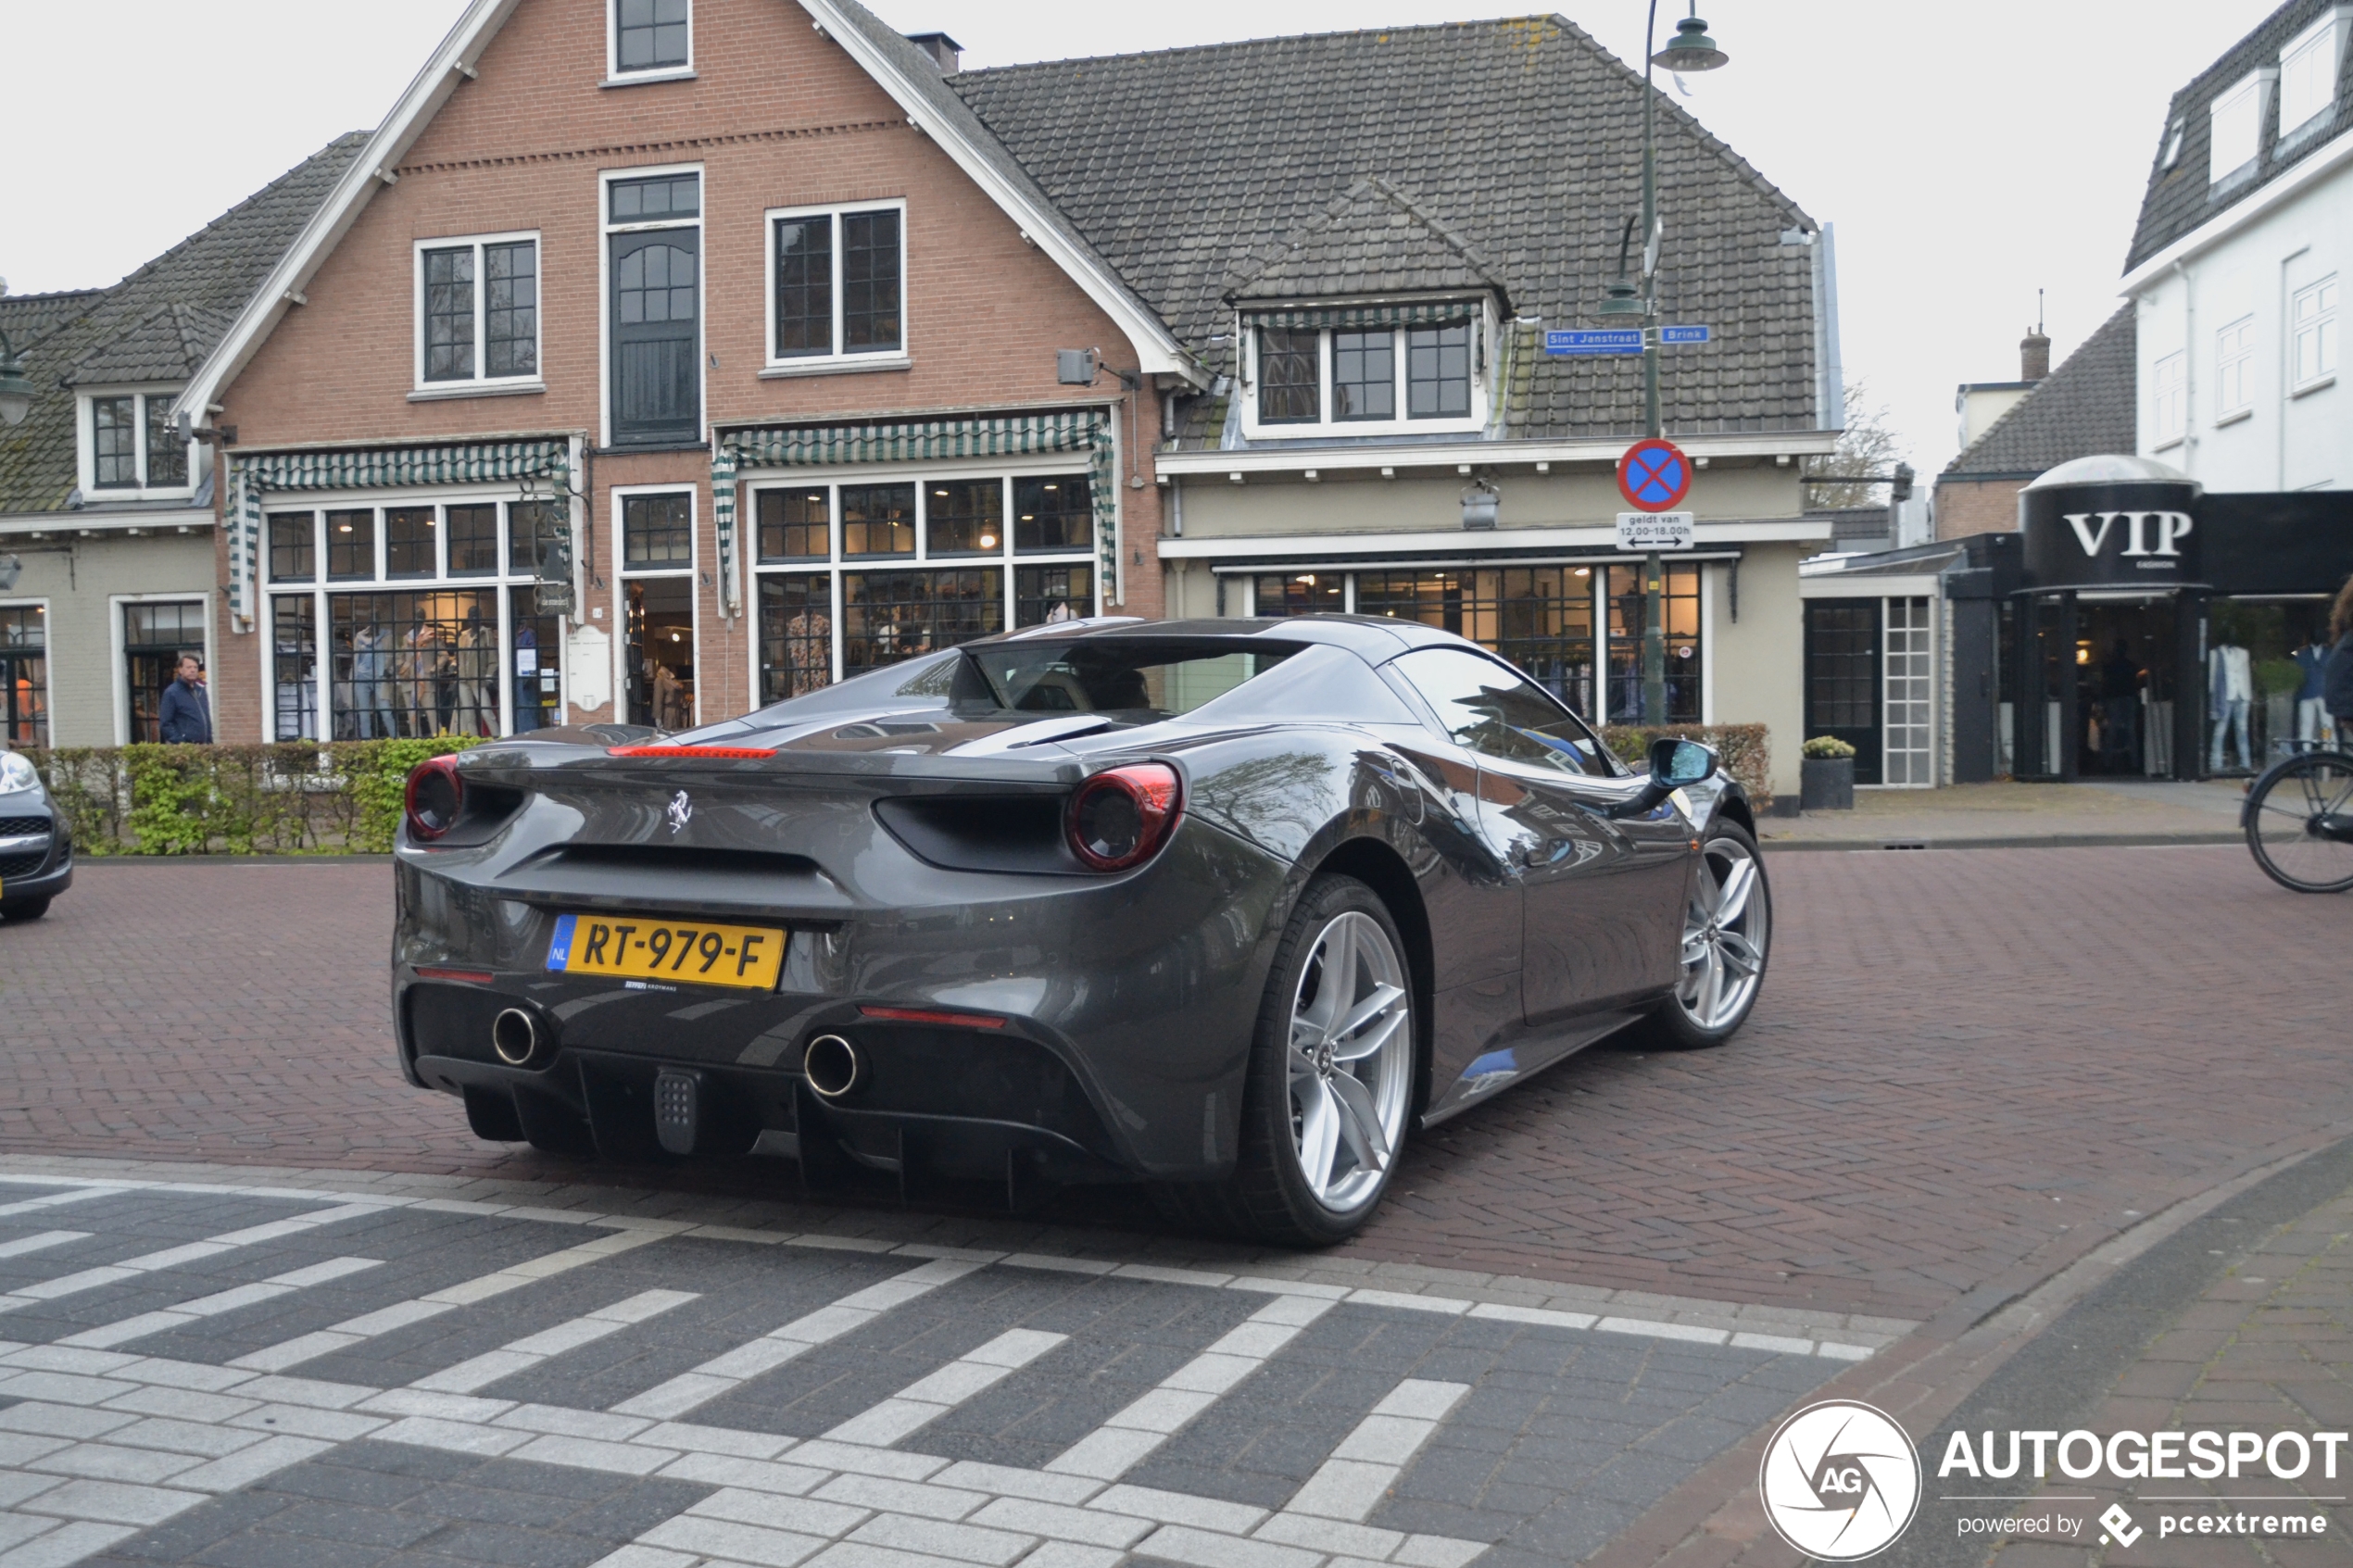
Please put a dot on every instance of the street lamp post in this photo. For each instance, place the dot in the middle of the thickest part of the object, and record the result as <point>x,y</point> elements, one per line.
<point>1691,50</point>
<point>16,387</point>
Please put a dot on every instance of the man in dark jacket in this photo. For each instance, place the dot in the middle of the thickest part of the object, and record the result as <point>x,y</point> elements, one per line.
<point>184,718</point>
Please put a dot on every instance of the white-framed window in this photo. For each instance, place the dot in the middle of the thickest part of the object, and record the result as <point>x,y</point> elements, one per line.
<point>408,616</point>
<point>154,632</point>
<point>24,673</point>
<point>654,538</point>
<point>2235,370</point>
<point>2312,320</point>
<point>2168,411</point>
<point>2237,125</point>
<point>837,285</point>
<point>2308,72</point>
<point>648,39</point>
<point>130,448</point>
<point>654,363</point>
<point>477,311</point>
<point>872,567</point>
<point>2175,135</point>
<point>1378,381</point>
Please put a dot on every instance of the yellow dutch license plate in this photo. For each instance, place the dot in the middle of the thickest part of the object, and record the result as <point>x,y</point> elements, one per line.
<point>694,952</point>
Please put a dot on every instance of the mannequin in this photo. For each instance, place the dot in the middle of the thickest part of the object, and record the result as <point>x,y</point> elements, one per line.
<point>477,677</point>
<point>2230,687</point>
<point>2314,727</point>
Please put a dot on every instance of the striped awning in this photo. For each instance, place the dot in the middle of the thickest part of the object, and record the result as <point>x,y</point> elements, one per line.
<point>1416,313</point>
<point>789,446</point>
<point>253,476</point>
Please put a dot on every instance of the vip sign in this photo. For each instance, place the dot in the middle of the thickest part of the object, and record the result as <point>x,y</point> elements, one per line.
<point>2138,536</point>
<point>2143,534</point>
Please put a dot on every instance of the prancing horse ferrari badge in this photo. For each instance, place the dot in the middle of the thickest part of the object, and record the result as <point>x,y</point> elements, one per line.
<point>682,811</point>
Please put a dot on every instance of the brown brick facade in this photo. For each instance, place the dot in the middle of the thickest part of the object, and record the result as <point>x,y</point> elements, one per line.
<point>776,115</point>
<point>1979,505</point>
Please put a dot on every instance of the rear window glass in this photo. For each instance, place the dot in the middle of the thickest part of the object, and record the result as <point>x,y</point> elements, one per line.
<point>1122,675</point>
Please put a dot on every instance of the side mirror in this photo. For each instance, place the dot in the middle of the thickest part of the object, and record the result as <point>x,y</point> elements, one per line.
<point>1674,763</point>
<point>1678,762</point>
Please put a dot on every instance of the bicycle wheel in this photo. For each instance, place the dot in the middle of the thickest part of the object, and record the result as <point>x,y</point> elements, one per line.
<point>2300,823</point>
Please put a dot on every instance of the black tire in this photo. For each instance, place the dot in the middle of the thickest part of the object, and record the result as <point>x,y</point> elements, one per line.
<point>1269,1196</point>
<point>1675,1023</point>
<point>2285,810</point>
<point>29,908</point>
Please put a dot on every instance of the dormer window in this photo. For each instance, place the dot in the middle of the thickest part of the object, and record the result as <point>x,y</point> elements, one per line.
<point>2308,72</point>
<point>1364,372</point>
<point>649,37</point>
<point>2237,116</point>
<point>131,445</point>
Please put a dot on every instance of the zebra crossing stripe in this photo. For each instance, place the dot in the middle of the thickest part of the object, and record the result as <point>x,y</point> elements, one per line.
<point>1368,1461</point>
<point>108,1336</point>
<point>173,1257</point>
<point>39,1242</point>
<point>722,1373</point>
<point>53,1199</point>
<point>480,1372</point>
<point>448,1299</point>
<point>928,1399</point>
<point>1121,1442</point>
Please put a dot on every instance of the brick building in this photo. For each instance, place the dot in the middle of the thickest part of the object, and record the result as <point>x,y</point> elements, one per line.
<point>106,507</point>
<point>812,352</point>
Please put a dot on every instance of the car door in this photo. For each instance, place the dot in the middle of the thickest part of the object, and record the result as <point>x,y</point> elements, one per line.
<point>1601,893</point>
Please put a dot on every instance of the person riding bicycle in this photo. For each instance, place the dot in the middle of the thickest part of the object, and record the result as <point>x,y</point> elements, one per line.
<point>2336,675</point>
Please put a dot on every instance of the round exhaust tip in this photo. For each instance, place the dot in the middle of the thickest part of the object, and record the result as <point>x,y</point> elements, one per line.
<point>514,1035</point>
<point>832,1066</point>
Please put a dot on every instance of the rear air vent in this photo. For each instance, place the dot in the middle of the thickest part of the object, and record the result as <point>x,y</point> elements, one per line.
<point>999,833</point>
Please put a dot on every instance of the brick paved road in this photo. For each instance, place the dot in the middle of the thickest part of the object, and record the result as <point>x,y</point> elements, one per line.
<point>246,1377</point>
<point>1968,1068</point>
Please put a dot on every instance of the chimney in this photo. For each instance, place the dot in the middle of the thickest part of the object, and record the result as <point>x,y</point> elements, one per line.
<point>945,52</point>
<point>2034,355</point>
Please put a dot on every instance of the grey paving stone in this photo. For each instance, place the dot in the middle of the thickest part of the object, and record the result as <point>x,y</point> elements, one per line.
<point>498,1513</point>
<point>810,1395</point>
<point>354,1523</point>
<point>179,1539</point>
<point>744,1290</point>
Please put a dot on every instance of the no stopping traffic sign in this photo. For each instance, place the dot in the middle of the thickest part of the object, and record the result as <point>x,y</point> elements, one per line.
<point>1654,476</point>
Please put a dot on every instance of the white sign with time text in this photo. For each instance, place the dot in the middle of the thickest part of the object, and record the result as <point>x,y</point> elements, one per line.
<point>1653,530</point>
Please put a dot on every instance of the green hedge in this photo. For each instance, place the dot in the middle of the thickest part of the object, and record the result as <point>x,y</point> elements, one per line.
<point>1746,749</point>
<point>343,796</point>
<point>298,798</point>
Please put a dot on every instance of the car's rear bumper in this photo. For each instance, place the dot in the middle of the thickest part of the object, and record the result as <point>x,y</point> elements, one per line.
<point>1100,1026</point>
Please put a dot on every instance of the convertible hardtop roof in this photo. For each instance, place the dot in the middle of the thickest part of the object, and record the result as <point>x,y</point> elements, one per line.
<point>1376,639</point>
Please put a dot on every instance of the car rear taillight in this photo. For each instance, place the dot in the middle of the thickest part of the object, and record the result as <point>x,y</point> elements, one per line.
<point>436,797</point>
<point>1122,816</point>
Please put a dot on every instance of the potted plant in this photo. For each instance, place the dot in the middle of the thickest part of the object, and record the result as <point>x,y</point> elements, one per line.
<point>1826,776</point>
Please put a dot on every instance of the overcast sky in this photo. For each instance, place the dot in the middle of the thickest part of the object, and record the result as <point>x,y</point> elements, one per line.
<point>1967,154</point>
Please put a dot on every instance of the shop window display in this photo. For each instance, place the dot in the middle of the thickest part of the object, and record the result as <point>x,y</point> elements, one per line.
<point>24,675</point>
<point>1629,620</point>
<point>2263,657</point>
<point>414,664</point>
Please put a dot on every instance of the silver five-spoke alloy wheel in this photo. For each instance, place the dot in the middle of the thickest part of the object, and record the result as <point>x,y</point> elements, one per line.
<point>1725,931</point>
<point>1351,1061</point>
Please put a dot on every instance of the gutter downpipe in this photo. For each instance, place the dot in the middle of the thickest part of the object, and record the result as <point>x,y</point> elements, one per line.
<point>2189,369</point>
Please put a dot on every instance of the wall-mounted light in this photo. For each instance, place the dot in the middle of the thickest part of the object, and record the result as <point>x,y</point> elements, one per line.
<point>1479,504</point>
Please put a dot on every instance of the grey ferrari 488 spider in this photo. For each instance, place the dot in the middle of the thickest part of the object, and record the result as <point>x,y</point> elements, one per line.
<point>1229,908</point>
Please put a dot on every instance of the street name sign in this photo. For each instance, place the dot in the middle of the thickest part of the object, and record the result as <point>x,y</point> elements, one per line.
<point>1624,340</point>
<point>1683,334</point>
<point>1653,530</point>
